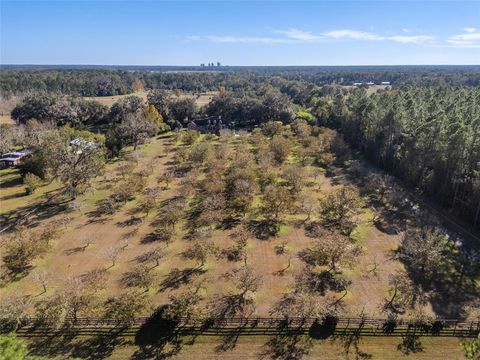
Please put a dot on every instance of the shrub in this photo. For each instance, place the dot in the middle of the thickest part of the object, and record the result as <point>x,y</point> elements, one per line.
<point>32,182</point>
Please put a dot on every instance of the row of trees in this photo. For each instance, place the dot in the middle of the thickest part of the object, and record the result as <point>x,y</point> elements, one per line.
<point>103,82</point>
<point>428,137</point>
<point>245,110</point>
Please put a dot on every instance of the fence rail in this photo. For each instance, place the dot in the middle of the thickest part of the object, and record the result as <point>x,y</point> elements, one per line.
<point>266,326</point>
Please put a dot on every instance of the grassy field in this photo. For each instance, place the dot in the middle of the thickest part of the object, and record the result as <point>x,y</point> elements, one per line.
<point>202,100</point>
<point>110,100</point>
<point>6,119</point>
<point>247,347</point>
<point>67,259</point>
<point>6,106</point>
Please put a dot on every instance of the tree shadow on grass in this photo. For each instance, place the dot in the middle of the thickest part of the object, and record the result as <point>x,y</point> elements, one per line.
<point>453,287</point>
<point>15,181</point>
<point>287,344</point>
<point>132,221</point>
<point>74,250</point>
<point>410,344</point>
<point>159,338</point>
<point>31,215</point>
<point>229,341</point>
<point>263,229</point>
<point>52,343</point>
<point>322,282</point>
<point>13,196</point>
<point>99,347</point>
<point>230,306</point>
<point>390,222</point>
<point>178,277</point>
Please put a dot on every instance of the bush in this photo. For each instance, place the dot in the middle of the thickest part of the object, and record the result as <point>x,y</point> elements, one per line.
<point>32,182</point>
<point>34,165</point>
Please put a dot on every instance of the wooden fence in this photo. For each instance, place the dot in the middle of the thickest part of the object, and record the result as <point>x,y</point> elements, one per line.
<point>271,326</point>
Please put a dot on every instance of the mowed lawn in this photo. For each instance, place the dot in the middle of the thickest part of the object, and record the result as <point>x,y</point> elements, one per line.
<point>247,347</point>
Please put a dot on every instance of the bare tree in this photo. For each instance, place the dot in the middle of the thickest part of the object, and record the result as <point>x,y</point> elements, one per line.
<point>79,296</point>
<point>140,276</point>
<point>298,304</point>
<point>402,293</point>
<point>185,307</point>
<point>240,302</point>
<point>147,204</point>
<point>331,250</point>
<point>111,253</point>
<point>172,213</point>
<point>52,311</point>
<point>308,204</point>
<point>13,310</point>
<point>276,201</point>
<point>87,241</point>
<point>166,178</point>
<point>126,307</point>
<point>152,255</point>
<point>126,168</point>
<point>200,251</point>
<point>246,280</point>
<point>42,278</point>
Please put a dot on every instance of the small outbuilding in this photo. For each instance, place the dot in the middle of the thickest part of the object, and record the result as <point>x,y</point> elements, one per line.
<point>209,125</point>
<point>14,158</point>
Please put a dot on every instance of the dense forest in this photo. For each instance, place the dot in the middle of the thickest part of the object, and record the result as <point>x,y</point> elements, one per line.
<point>425,129</point>
<point>108,81</point>
<point>428,137</point>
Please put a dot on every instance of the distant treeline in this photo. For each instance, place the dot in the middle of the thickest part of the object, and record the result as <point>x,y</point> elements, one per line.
<point>426,130</point>
<point>109,81</point>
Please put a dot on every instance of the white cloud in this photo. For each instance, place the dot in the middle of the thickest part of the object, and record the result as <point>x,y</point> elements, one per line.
<point>414,39</point>
<point>246,40</point>
<point>299,35</point>
<point>470,29</point>
<point>292,36</point>
<point>368,36</point>
<point>471,39</point>
<point>351,34</point>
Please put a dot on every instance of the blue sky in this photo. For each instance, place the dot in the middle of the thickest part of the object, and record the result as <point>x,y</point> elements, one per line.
<point>240,33</point>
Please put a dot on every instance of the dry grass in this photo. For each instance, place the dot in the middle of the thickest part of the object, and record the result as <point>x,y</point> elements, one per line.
<point>6,107</point>
<point>67,260</point>
<point>6,119</point>
<point>110,100</point>
<point>201,100</point>
<point>253,347</point>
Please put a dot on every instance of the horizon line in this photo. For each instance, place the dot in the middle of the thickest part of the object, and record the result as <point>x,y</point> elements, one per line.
<point>221,66</point>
